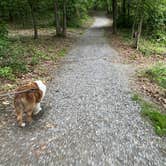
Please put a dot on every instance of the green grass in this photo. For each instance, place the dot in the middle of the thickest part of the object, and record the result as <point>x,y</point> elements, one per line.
<point>147,46</point>
<point>6,72</point>
<point>12,58</point>
<point>157,74</point>
<point>152,112</point>
<point>62,52</point>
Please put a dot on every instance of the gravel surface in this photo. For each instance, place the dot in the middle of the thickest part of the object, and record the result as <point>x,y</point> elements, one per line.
<point>88,118</point>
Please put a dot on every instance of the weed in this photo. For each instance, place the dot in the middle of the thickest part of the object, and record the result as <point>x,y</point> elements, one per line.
<point>152,112</point>
<point>157,73</point>
<point>62,52</point>
<point>34,61</point>
<point>148,47</point>
<point>6,72</point>
<point>41,55</point>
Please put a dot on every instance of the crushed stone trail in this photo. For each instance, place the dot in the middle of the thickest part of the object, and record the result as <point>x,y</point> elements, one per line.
<point>89,117</point>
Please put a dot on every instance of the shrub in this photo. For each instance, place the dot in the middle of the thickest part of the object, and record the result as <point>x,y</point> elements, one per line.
<point>6,72</point>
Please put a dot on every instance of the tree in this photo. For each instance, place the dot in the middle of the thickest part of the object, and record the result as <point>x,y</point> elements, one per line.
<point>114,8</point>
<point>124,8</point>
<point>139,16</point>
<point>64,19</point>
<point>57,19</point>
<point>60,14</point>
<point>31,5</point>
<point>108,7</point>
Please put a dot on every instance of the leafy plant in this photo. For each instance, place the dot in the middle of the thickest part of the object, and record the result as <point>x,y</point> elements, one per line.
<point>152,112</point>
<point>6,72</point>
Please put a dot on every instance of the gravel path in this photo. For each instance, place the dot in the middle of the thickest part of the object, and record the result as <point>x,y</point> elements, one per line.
<point>89,117</point>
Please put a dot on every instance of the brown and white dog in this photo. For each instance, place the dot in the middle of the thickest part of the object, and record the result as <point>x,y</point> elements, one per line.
<point>27,100</point>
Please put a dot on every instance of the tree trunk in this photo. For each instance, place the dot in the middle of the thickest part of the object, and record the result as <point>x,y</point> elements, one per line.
<point>11,16</point>
<point>128,12</point>
<point>114,8</point>
<point>64,19</point>
<point>108,7</point>
<point>33,20</point>
<point>57,19</point>
<point>124,8</point>
<point>135,20</point>
<point>137,37</point>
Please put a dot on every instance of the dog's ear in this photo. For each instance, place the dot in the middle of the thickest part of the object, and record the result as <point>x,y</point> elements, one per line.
<point>38,95</point>
<point>37,92</point>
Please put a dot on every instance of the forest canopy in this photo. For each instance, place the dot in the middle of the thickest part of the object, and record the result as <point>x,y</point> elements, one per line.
<point>144,17</point>
<point>26,13</point>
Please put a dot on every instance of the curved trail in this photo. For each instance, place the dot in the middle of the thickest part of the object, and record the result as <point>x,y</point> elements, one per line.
<point>89,116</point>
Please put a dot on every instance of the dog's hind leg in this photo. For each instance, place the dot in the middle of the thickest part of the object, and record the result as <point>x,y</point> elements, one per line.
<point>20,118</point>
<point>29,115</point>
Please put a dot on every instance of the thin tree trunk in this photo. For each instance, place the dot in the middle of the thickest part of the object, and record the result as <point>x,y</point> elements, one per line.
<point>64,19</point>
<point>128,12</point>
<point>139,32</point>
<point>57,19</point>
<point>10,16</point>
<point>135,20</point>
<point>114,8</point>
<point>33,21</point>
<point>124,8</point>
<point>108,7</point>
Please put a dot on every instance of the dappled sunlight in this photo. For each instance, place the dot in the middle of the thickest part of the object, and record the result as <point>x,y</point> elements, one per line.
<point>102,22</point>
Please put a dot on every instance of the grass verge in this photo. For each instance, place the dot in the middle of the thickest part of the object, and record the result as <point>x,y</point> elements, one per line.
<point>157,74</point>
<point>146,46</point>
<point>152,112</point>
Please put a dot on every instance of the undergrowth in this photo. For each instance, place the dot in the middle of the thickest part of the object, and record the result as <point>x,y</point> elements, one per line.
<point>147,46</point>
<point>157,74</point>
<point>152,112</point>
<point>11,56</point>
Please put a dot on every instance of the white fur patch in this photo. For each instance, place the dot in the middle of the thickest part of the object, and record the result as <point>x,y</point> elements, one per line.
<point>42,87</point>
<point>23,125</point>
<point>37,109</point>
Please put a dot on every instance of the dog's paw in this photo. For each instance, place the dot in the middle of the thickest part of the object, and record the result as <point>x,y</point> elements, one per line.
<point>36,112</point>
<point>23,125</point>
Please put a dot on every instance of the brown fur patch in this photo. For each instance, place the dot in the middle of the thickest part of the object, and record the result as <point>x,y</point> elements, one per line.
<point>25,102</point>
